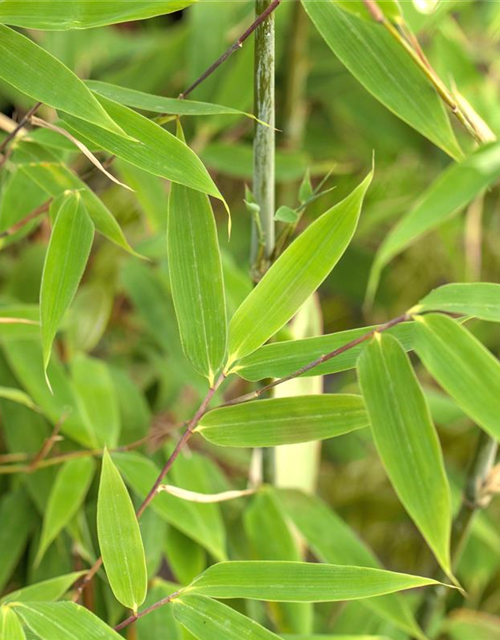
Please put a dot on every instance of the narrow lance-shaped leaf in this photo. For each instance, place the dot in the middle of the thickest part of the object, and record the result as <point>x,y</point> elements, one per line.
<point>156,150</point>
<point>453,190</point>
<point>296,274</point>
<point>16,395</point>
<point>385,69</point>
<point>56,178</point>
<point>278,421</point>
<point>120,538</point>
<point>45,591</point>
<point>406,440</point>
<point>160,104</point>
<point>208,619</point>
<point>64,620</point>
<point>481,300</point>
<point>68,492</point>
<point>60,15</point>
<point>332,540</point>
<point>196,279</point>
<point>33,71</point>
<point>10,625</point>
<point>463,367</point>
<point>271,538</point>
<point>300,582</point>
<point>65,262</point>
<point>279,359</point>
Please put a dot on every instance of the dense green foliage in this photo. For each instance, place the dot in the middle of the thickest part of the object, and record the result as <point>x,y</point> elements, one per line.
<point>205,434</point>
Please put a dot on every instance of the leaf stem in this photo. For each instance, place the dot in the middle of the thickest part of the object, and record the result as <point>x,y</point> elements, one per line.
<point>13,134</point>
<point>141,614</point>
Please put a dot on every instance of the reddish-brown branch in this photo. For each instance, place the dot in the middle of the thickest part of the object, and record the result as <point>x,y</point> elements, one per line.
<point>233,48</point>
<point>141,614</point>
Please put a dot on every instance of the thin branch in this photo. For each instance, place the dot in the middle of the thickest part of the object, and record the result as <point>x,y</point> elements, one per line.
<point>48,444</point>
<point>325,358</point>
<point>22,123</point>
<point>232,49</point>
<point>168,465</point>
<point>43,208</point>
<point>374,9</point>
<point>150,609</point>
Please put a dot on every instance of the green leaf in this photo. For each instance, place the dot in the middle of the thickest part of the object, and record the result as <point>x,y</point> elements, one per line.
<point>332,540</point>
<point>99,403</point>
<point>56,178</point>
<point>462,366</point>
<point>156,150</point>
<point>278,421</point>
<point>280,359</point>
<point>196,279</point>
<point>45,591</point>
<point>65,262</point>
<point>386,70</point>
<point>300,582</point>
<point>16,395</point>
<point>207,619</point>
<point>17,510</point>
<point>59,15</point>
<point>481,300</point>
<point>271,538</point>
<point>296,274</point>
<point>120,538</point>
<point>141,473</point>
<point>286,214</point>
<point>160,104</point>
<point>60,405</point>
<point>10,625</point>
<point>453,190</point>
<point>64,620</point>
<point>45,79</point>
<point>407,441</point>
<point>68,493</point>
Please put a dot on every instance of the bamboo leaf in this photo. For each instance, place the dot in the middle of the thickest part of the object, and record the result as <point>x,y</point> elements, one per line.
<point>271,538</point>
<point>120,538</point>
<point>45,591</point>
<point>64,620</point>
<point>453,190</point>
<point>160,104</point>
<point>207,619</point>
<point>280,359</point>
<point>196,279</point>
<point>385,69</point>
<point>60,15</point>
<point>16,395</point>
<point>141,473</point>
<point>463,367</point>
<point>45,79</point>
<point>300,582</point>
<point>56,178</point>
<point>155,149</point>
<point>99,402</point>
<point>68,492</point>
<point>278,421</point>
<point>332,540</point>
<point>406,440</point>
<point>65,262</point>
<point>481,300</point>
<point>10,625</point>
<point>296,274</point>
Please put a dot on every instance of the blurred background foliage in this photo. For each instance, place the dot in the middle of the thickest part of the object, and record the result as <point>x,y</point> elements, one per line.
<point>120,342</point>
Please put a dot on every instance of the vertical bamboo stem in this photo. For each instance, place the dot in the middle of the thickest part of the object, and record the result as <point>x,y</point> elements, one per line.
<point>263,234</point>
